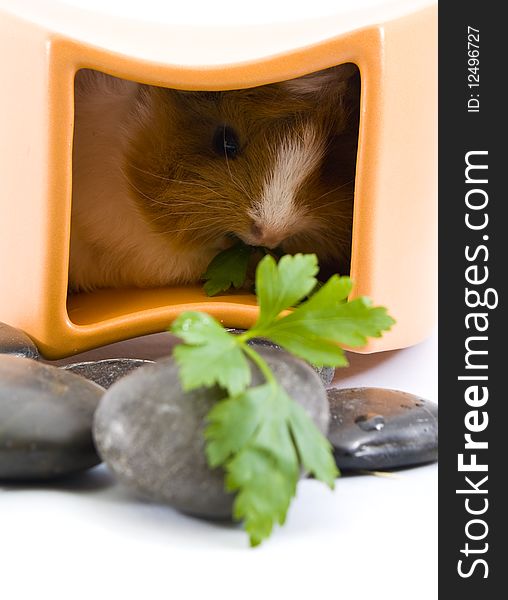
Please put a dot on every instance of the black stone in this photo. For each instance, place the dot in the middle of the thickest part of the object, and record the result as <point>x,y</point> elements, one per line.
<point>150,433</point>
<point>376,429</point>
<point>15,342</point>
<point>106,372</point>
<point>325,373</point>
<point>46,416</point>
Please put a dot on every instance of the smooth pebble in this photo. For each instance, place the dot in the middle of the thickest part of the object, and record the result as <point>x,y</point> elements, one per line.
<point>46,417</point>
<point>15,342</point>
<point>107,371</point>
<point>150,433</point>
<point>326,374</point>
<point>376,429</point>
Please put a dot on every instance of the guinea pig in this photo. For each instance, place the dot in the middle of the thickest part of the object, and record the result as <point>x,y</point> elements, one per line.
<point>164,179</point>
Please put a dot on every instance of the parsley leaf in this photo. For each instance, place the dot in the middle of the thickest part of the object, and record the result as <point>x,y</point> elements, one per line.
<point>228,268</point>
<point>231,423</point>
<point>264,492</point>
<point>283,284</point>
<point>314,328</point>
<point>259,435</point>
<point>210,354</point>
<point>313,449</point>
<point>262,437</point>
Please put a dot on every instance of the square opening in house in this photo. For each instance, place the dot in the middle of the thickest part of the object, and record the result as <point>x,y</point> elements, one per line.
<point>163,180</point>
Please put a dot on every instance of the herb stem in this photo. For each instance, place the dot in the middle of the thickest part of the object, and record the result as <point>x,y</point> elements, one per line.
<point>246,335</point>
<point>260,363</point>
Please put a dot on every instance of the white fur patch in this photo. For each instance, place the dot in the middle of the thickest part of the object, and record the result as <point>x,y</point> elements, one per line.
<point>295,159</point>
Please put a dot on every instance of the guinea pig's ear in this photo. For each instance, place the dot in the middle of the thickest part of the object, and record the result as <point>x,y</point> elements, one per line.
<point>315,83</point>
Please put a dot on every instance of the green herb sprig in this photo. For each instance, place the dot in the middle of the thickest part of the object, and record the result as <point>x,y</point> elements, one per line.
<point>259,435</point>
<point>228,268</point>
<point>234,267</point>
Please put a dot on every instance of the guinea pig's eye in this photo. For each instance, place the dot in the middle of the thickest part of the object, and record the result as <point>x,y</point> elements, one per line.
<point>225,142</point>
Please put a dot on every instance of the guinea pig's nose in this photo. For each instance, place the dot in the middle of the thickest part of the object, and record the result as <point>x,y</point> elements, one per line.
<point>264,235</point>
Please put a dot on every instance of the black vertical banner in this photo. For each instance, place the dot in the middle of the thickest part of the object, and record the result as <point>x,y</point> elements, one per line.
<point>473,268</point>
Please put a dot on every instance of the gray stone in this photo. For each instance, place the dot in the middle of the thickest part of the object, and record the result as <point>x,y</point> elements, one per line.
<point>150,433</point>
<point>375,429</point>
<point>15,342</point>
<point>325,373</point>
<point>106,372</point>
<point>45,420</point>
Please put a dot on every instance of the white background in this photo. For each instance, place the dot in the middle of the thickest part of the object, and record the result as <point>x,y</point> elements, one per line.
<point>219,12</point>
<point>373,537</point>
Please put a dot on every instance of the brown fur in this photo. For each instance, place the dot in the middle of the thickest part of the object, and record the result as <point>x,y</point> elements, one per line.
<point>187,192</point>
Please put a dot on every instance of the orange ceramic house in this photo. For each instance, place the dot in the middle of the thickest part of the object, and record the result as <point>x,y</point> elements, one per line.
<point>43,44</point>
